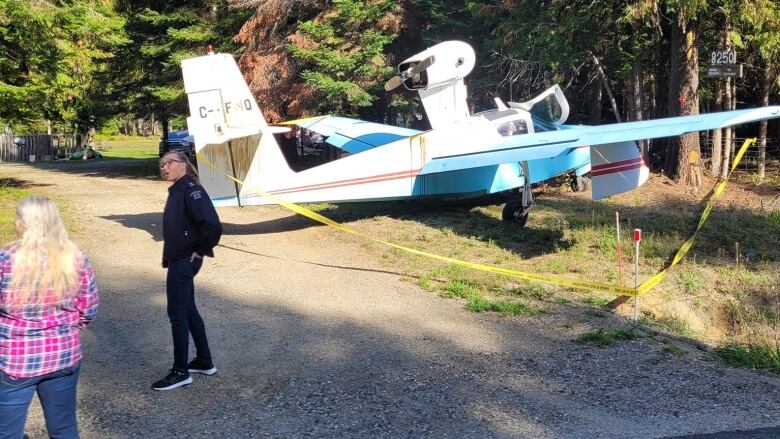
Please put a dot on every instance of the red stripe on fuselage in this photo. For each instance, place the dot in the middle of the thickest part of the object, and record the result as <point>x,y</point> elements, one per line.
<point>619,169</point>
<point>617,164</point>
<point>349,182</point>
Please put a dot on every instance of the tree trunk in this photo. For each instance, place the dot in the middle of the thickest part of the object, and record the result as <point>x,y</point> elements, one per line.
<point>637,103</point>
<point>733,107</point>
<point>164,122</point>
<point>717,134</point>
<point>724,170</point>
<point>605,81</point>
<point>762,131</point>
<point>683,158</point>
<point>594,110</point>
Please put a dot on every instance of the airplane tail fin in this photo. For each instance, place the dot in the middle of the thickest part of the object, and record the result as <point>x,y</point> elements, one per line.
<point>229,130</point>
<point>616,168</point>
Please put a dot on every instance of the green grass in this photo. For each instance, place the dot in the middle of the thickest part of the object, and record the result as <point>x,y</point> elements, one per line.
<point>131,148</point>
<point>691,281</point>
<point>531,291</point>
<point>478,304</point>
<point>13,190</point>
<point>675,325</point>
<point>605,338</point>
<point>596,300</point>
<point>758,356</point>
<point>10,194</point>
<point>460,289</point>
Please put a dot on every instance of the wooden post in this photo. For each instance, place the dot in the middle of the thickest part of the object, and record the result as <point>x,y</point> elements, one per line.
<point>637,238</point>
<point>619,256</point>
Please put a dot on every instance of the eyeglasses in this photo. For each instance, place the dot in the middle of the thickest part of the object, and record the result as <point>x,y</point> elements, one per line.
<point>168,162</point>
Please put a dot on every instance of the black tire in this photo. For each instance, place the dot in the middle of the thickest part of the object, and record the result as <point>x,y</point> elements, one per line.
<point>513,213</point>
<point>580,184</point>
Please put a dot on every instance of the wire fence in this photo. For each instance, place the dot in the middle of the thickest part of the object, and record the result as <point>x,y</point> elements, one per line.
<point>750,161</point>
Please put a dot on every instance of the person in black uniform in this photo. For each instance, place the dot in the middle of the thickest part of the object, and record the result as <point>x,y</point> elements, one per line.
<point>191,230</point>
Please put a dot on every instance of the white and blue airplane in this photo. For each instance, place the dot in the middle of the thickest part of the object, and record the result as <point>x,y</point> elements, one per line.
<point>464,155</point>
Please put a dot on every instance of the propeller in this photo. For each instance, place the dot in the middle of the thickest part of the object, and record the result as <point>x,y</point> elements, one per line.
<point>397,80</point>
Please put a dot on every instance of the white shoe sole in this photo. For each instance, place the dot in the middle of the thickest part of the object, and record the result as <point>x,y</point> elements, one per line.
<point>211,371</point>
<point>173,386</point>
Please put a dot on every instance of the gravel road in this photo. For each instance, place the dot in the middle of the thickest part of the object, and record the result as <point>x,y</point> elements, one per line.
<point>313,338</point>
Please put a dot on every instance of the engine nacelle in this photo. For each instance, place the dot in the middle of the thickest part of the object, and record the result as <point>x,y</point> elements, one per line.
<point>453,60</point>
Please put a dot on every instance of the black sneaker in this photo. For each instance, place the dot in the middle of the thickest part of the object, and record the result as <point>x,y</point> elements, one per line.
<point>173,380</point>
<point>201,366</point>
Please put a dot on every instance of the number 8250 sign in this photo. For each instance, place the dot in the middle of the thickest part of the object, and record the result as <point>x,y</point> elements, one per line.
<point>723,57</point>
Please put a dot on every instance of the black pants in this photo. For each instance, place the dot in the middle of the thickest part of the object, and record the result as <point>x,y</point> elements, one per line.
<point>185,319</point>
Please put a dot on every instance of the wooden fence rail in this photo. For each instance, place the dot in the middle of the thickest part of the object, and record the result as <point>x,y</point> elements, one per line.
<point>25,148</point>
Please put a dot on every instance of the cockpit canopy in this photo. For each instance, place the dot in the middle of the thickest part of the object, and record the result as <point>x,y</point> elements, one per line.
<point>549,106</point>
<point>545,112</point>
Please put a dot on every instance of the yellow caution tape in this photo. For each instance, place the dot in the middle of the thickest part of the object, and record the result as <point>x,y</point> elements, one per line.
<point>653,281</point>
<point>553,280</point>
<point>298,121</point>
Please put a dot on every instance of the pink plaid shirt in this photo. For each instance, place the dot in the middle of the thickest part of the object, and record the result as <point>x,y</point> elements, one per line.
<point>39,339</point>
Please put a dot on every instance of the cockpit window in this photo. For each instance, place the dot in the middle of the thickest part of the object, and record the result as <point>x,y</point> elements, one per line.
<point>512,128</point>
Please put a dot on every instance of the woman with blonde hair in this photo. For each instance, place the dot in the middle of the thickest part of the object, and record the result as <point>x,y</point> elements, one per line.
<point>47,295</point>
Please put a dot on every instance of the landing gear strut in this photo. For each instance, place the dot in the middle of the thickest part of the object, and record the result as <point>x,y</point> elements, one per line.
<point>519,205</point>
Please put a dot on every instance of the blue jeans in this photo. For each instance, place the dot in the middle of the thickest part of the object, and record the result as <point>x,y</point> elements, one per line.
<point>184,315</point>
<point>57,392</point>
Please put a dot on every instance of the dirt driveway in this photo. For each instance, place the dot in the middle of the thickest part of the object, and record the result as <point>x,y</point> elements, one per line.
<point>313,338</point>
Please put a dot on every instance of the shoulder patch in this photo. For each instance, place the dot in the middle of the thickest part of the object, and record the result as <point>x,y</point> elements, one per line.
<point>196,195</point>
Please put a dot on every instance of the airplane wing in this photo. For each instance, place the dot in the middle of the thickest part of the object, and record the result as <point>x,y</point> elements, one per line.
<point>674,126</point>
<point>353,135</point>
<point>550,144</point>
<point>615,162</point>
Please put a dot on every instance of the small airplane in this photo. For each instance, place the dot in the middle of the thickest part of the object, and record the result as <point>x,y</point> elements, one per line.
<point>464,155</point>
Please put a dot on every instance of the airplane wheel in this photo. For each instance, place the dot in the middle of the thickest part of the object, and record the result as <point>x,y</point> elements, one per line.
<point>513,212</point>
<point>580,184</point>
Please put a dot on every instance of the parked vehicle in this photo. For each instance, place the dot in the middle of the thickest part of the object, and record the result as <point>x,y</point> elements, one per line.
<point>179,141</point>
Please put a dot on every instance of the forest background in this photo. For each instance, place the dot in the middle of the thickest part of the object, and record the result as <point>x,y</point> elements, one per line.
<point>107,67</point>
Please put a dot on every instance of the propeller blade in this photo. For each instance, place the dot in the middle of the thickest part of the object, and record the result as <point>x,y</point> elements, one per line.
<point>397,80</point>
<point>420,66</point>
<point>393,83</point>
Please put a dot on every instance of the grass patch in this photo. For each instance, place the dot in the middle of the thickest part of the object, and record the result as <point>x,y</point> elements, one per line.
<point>10,194</point>
<point>674,324</point>
<point>692,281</point>
<point>531,291</point>
<point>603,338</point>
<point>479,304</point>
<point>131,148</point>
<point>595,300</point>
<point>757,356</point>
<point>460,289</point>
<point>572,238</point>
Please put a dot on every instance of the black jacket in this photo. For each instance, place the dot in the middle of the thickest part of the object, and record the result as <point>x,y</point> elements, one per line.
<point>190,223</point>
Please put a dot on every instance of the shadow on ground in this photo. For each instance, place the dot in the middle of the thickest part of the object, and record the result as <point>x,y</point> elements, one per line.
<point>548,228</point>
<point>112,168</point>
<point>284,373</point>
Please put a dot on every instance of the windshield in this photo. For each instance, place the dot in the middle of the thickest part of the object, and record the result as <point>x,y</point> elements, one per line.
<point>548,109</point>
<point>541,125</point>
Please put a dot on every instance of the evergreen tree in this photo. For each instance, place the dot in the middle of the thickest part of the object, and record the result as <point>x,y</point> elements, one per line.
<point>161,35</point>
